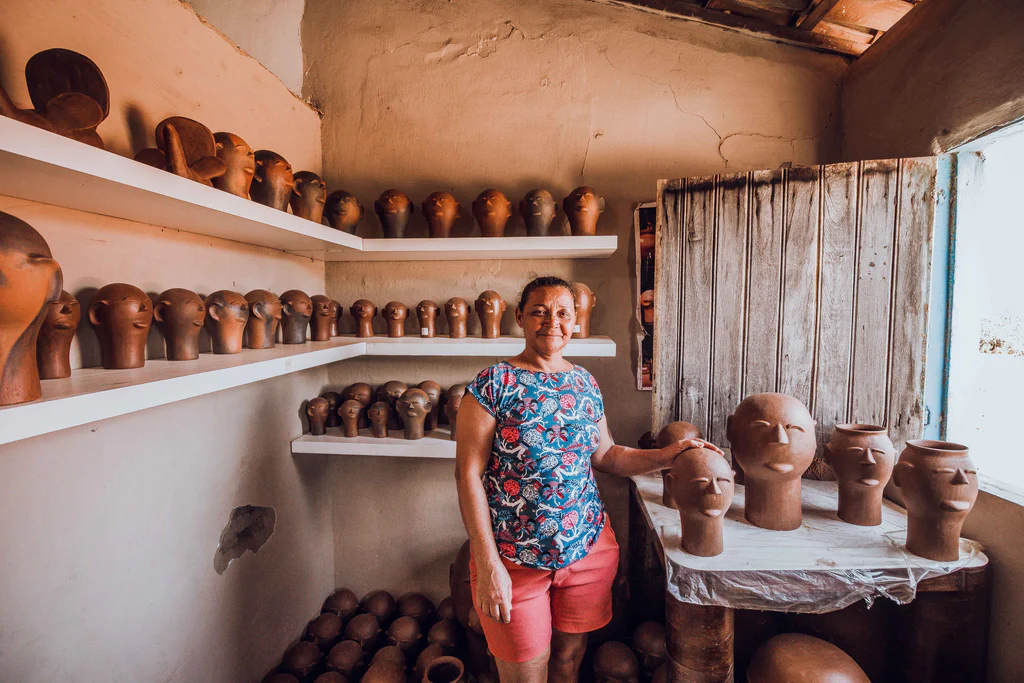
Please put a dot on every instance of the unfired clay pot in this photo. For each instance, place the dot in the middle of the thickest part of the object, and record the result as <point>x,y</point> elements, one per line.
<point>433,391</point>
<point>394,209</point>
<point>273,182</point>
<point>380,415</point>
<point>669,434</point>
<point>490,307</point>
<point>346,658</point>
<point>333,399</point>
<point>426,313</point>
<point>614,662</point>
<point>226,315</point>
<point>316,411</point>
<point>324,630</point>
<point>649,645</point>
<point>538,209</point>
<point>702,486</point>
<point>363,311</point>
<point>380,604</point>
<point>122,315</point>
<point>180,313</point>
<point>323,318</point>
<point>798,658</point>
<point>394,314</point>
<point>308,196</point>
<point>364,629</point>
<point>441,210</point>
<point>456,310</point>
<point>445,669</point>
<point>350,412</point>
<point>53,349</point>
<point>583,207</point>
<point>362,392</point>
<point>862,456</point>
<point>453,399</point>
<point>343,211</point>
<point>390,392</point>
<point>585,302</point>
<point>265,311</point>
<point>301,660</point>
<point>414,405</point>
<point>239,164</point>
<point>492,209</point>
<point>416,605</point>
<point>404,633</point>
<point>296,310</point>
<point>342,602</point>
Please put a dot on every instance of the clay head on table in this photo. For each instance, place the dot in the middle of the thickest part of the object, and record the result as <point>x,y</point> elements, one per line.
<point>583,207</point>
<point>342,211</point>
<point>390,392</point>
<point>585,302</point>
<point>273,182</point>
<point>323,318</point>
<point>394,314</point>
<point>490,307</point>
<point>939,484</point>
<point>362,392</point>
<point>333,399</point>
<point>453,399</point>
<point>668,435</point>
<point>296,310</point>
<point>441,210</point>
<point>379,415</point>
<point>614,662</point>
<point>265,312</point>
<point>122,315</point>
<point>772,439</point>
<point>316,411</point>
<point>492,209</point>
<point>350,412</point>
<point>308,196</point>
<point>793,657</point>
<point>239,164</point>
<point>456,311</point>
<point>649,645</point>
<point>53,349</point>
<point>394,209</point>
<point>433,391</point>
<point>426,313</point>
<point>538,209</point>
<point>336,312</point>
<point>862,457</point>
<point>363,311</point>
<point>227,313</point>
<point>413,406</point>
<point>180,314</point>
<point>702,485</point>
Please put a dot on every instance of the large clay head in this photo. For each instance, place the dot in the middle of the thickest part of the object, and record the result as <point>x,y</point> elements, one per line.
<point>394,314</point>
<point>122,315</point>
<point>227,313</point>
<point>793,657</point>
<point>273,181</point>
<point>433,392</point>
<point>380,415</point>
<point>862,457</point>
<point>29,281</point>
<point>317,410</point>
<point>394,209</point>
<point>413,406</point>
<point>343,211</point>
<point>492,209</point>
<point>296,310</point>
<point>614,662</point>
<point>490,307</point>
<point>582,207</point>
<point>426,313</point>
<point>649,644</point>
<point>441,210</point>
<point>350,413</point>
<point>323,318</point>
<point>53,349</point>
<point>456,310</point>
<point>239,163</point>
<point>265,312</point>
<point>702,485</point>
<point>308,196</point>
<point>538,209</point>
<point>585,302</point>
<point>180,313</point>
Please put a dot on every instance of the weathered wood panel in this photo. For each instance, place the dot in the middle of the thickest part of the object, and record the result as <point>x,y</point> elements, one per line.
<point>700,213</point>
<point>764,283</point>
<point>667,287</point>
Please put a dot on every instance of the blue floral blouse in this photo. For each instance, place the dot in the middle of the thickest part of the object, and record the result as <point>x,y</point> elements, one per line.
<point>546,511</point>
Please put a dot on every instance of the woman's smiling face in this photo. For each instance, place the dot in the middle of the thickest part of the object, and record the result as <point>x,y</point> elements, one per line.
<point>548,318</point>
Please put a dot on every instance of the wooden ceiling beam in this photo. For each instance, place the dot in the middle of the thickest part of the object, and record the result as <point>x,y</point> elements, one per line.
<point>812,18</point>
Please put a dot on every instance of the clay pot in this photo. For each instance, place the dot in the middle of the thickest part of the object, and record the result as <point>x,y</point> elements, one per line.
<point>394,210</point>
<point>939,484</point>
<point>394,315</point>
<point>342,602</point>
<point>316,411</point>
<point>346,658</point>
<point>862,457</point>
<point>362,392</point>
<point>772,439</point>
<point>492,209</point>
<point>180,313</point>
<point>459,586</point>
<point>381,605</point>
<point>702,486</point>
<point>426,313</point>
<point>324,630</point>
<point>446,633</point>
<point>538,209</point>
<point>583,207</point>
<point>343,211</point>
<point>333,399</point>
<point>404,633</point>
<point>669,434</point>
<point>322,319</point>
<point>185,148</point>
<point>794,657</point>
<point>614,662</point>
<point>296,310</point>
<point>265,312</point>
<point>453,399</point>
<point>490,307</point>
<point>53,348</point>
<point>239,164</point>
<point>445,610</point>
<point>445,669</point>
<point>273,182</point>
<point>456,310</point>
<point>308,196</point>
<point>364,629</point>
<point>122,315</point>
<point>428,655</point>
<point>649,644</point>
<point>301,659</point>
<point>350,412</point>
<point>441,210</point>
<point>380,415</point>
<point>363,311</point>
<point>226,316</point>
<point>585,302</point>
<point>433,392</point>
<point>389,393</point>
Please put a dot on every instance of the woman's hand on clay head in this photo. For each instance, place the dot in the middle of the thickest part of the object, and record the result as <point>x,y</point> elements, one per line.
<point>672,451</point>
<point>494,592</point>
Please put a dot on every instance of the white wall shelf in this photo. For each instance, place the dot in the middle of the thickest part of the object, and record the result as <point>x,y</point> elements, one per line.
<point>471,249</point>
<point>435,444</point>
<point>592,347</point>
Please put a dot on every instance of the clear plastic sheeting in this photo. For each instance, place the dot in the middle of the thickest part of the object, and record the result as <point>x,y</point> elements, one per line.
<point>823,566</point>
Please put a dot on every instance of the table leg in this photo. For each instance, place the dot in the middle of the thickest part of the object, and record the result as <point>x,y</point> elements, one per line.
<point>700,642</point>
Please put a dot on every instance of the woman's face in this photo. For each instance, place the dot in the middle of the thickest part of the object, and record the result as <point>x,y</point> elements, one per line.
<point>547,319</point>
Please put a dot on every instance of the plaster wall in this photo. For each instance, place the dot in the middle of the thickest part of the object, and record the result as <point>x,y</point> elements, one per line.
<point>433,95</point>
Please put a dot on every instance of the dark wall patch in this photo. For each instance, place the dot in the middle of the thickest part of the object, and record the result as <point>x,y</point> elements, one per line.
<point>249,527</point>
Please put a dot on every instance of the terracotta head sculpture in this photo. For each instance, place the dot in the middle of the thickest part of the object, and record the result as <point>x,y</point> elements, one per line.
<point>772,439</point>
<point>362,392</point>
<point>316,411</point>
<point>456,310</point>
<point>583,207</point>
<point>364,629</point>
<point>350,412</point>
<point>227,313</point>
<point>265,312</point>
<point>333,399</point>
<point>380,604</point>
<point>185,148</point>
<point>180,314</point>
<point>392,654</point>
<point>441,210</point>
<point>380,415</point>
<point>492,209</point>
<point>614,662</point>
<point>426,313</point>
<point>363,311</point>
<point>53,350</point>
<point>490,307</point>
<point>122,315</point>
<point>346,658</point>
<point>453,399</point>
<point>445,609</point>
<point>418,606</point>
<point>797,657</point>
<point>647,308</point>
<point>323,318</point>
<point>538,209</point>
<point>273,182</point>
<point>343,211</point>
<point>414,405</point>
<point>296,310</point>
<point>394,315</point>
<point>308,196</point>
<point>649,645</point>
<point>447,633</point>
<point>669,434</point>
<point>394,209</point>
<point>585,302</point>
<point>702,486</point>
<point>342,602</point>
<point>404,633</point>
<point>862,456</point>
<point>336,312</point>
<point>239,164</point>
<point>301,660</point>
<point>324,630</point>
<point>939,484</point>
<point>390,392</point>
<point>433,392</point>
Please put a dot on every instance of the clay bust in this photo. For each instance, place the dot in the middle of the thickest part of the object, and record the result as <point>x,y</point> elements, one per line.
<point>343,211</point>
<point>538,209</point>
<point>301,660</point>
<point>363,311</point>
<point>53,349</point>
<point>389,654</point>
<point>649,644</point>
<point>122,315</point>
<point>333,399</point>
<point>185,148</point>
<point>456,310</point>
<point>453,399</point>
<point>772,439</point>
<point>279,677</point>
<point>296,310</point>
<point>379,414</point>
<point>798,658</point>
<point>492,209</point>
<point>265,311</point>
<point>394,315</point>
<point>329,677</point>
<point>180,313</point>
<point>345,658</point>
<point>342,602</point>
<point>336,312</point>
<point>490,307</point>
<point>350,412</point>
<point>441,210</point>
<point>414,406</point>
<point>433,391</point>
<point>323,318</point>
<point>447,634</point>
<point>362,392</point>
<point>669,434</point>
<point>227,313</point>
<point>862,457</point>
<point>364,629</point>
<point>582,207</point>
<point>426,312</point>
<point>384,672</point>
<point>273,182</point>
<point>702,486</point>
<point>380,604</point>
<point>308,196</point>
<point>239,164</point>
<point>939,484</point>
<point>394,209</point>
<point>585,302</point>
<point>445,609</point>
<point>324,630</point>
<point>404,633</point>
<point>316,411</point>
<point>614,662</point>
<point>390,392</point>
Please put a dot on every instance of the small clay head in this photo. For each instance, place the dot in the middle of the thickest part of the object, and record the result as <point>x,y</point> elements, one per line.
<point>702,485</point>
<point>364,629</point>
<point>413,404</point>
<point>342,602</point>
<point>343,211</point>
<point>861,455</point>
<point>273,182</point>
<point>346,657</point>
<point>447,633</point>
<point>585,302</point>
<point>445,609</point>
<point>363,310</point>
<point>538,209</point>
<point>492,209</point>
<point>296,310</point>
<point>336,312</point>
<point>333,399</point>
<point>426,313</point>
<point>360,391</point>
<point>322,319</point>
<point>301,659</point>
<point>385,672</point>
<point>614,662</point>
<point>433,391</point>
<point>308,196</point>
<point>390,655</point>
<point>676,431</point>
<point>390,392</point>
<point>180,314</point>
<point>239,162</point>
<point>330,677</point>
<point>324,630</point>
<point>649,644</point>
<point>394,314</point>
<point>227,313</point>
<point>380,604</point>
<point>265,311</point>
<point>350,413</point>
<point>64,314</point>
<point>453,399</point>
<point>317,410</point>
<point>582,207</point>
<point>441,210</point>
<point>490,307</point>
<point>53,349</point>
<point>122,315</point>
<point>456,310</point>
<point>394,209</point>
<point>404,633</point>
<point>772,437</point>
<point>379,414</point>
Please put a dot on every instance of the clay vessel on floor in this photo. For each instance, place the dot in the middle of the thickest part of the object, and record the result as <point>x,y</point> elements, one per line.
<point>583,207</point>
<point>939,484</point>
<point>301,660</point>
<point>362,392</point>
<point>122,315</point>
<point>265,312</point>
<point>538,209</point>
<point>390,392</point>
<point>413,406</point>
<point>308,196</point>
<point>772,439</point>
<point>447,634</point>
<point>490,307</point>
<point>453,399</point>
<point>296,310</point>
<point>364,629</point>
<point>342,211</point>
<point>702,485</point>
<point>333,399</point>
<point>342,602</point>
<point>185,148</point>
<point>459,585</point>
<point>273,182</point>
<point>426,656</point>
<point>363,311</point>
<point>226,316</point>
<point>585,302</point>
<point>649,645</point>
<point>336,312</point>
<point>316,411</point>
<point>180,314</point>
<point>862,456</point>
<point>492,209</point>
<point>323,318</point>
<point>669,434</point>
<point>394,315</point>
<point>346,658</point>
<point>441,210</point>
<point>350,412</point>
<point>394,209</point>
<point>445,669</point>
<point>456,310</point>
<point>798,658</point>
<point>445,610</point>
<point>433,391</point>
<point>426,313</point>
<point>416,605</point>
<point>614,662</point>
<point>331,677</point>
<point>53,348</point>
<point>380,604</point>
<point>324,630</point>
<point>404,633</point>
<point>380,415</point>
<point>239,164</point>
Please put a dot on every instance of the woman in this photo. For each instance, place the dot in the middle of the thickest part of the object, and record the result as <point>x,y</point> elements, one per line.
<point>531,432</point>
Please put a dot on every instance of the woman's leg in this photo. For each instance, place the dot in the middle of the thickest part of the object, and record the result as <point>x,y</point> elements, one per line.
<point>532,671</point>
<point>566,656</point>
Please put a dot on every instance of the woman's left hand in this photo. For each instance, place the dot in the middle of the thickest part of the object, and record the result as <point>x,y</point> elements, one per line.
<point>670,452</point>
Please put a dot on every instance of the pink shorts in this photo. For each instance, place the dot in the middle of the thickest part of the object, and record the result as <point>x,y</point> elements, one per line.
<point>576,599</point>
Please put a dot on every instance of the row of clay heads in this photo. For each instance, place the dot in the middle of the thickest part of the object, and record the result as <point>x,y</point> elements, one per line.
<point>393,405</point>
<point>491,209</point>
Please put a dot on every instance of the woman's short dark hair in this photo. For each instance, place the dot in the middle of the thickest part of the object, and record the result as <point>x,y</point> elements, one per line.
<point>545,281</point>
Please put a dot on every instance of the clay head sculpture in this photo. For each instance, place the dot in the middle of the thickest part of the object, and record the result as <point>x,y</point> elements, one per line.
<point>404,633</point>
<point>316,411</point>
<point>647,307</point>
<point>324,630</point>
<point>308,196</point>
<point>350,412</point>
<point>614,662</point>
<point>939,484</point>
<point>433,392</point>
<point>122,315</point>
<point>364,629</point>
<point>394,209</point>
<point>862,456</point>
<point>702,486</point>
<point>394,315</point>
<point>278,677</point>
<point>390,392</point>
<point>185,148</point>
<point>343,211</point>
<point>445,609</point>
<point>492,209</point>
<point>273,182</point>
<point>583,207</point>
<point>660,674</point>
<point>538,209</point>
<point>180,313</point>
<point>380,415</point>
<point>346,658</point>
<point>330,677</point>
<point>793,657</point>
<point>453,399</point>
<point>301,660</point>
<point>390,655</point>
<point>414,405</point>
<point>585,302</point>
<point>239,164</point>
<point>323,318</point>
<point>336,311</point>
<point>363,311</point>
<point>772,439</point>
<point>649,644</point>
<point>333,399</point>
<point>426,312</point>
<point>669,434</point>
<point>342,602</point>
<point>441,210</point>
<point>384,672</point>
<point>647,245</point>
<point>445,669</point>
<point>456,310</point>
<point>53,349</point>
<point>380,604</point>
<point>362,392</point>
<point>227,313</point>
<point>265,312</point>
<point>490,307</point>
<point>296,310</point>
<point>446,633</point>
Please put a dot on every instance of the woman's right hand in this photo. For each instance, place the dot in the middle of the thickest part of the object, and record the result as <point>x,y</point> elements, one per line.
<point>494,591</point>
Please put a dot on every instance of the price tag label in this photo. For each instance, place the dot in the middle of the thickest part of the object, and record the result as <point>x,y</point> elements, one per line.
<point>424,331</point>
<point>576,330</point>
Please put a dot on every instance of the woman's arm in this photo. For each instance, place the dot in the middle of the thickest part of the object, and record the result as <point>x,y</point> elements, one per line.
<point>473,439</point>
<point>623,461</point>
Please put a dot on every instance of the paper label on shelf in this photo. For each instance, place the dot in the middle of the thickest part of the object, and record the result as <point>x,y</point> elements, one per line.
<point>424,332</point>
<point>576,330</point>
